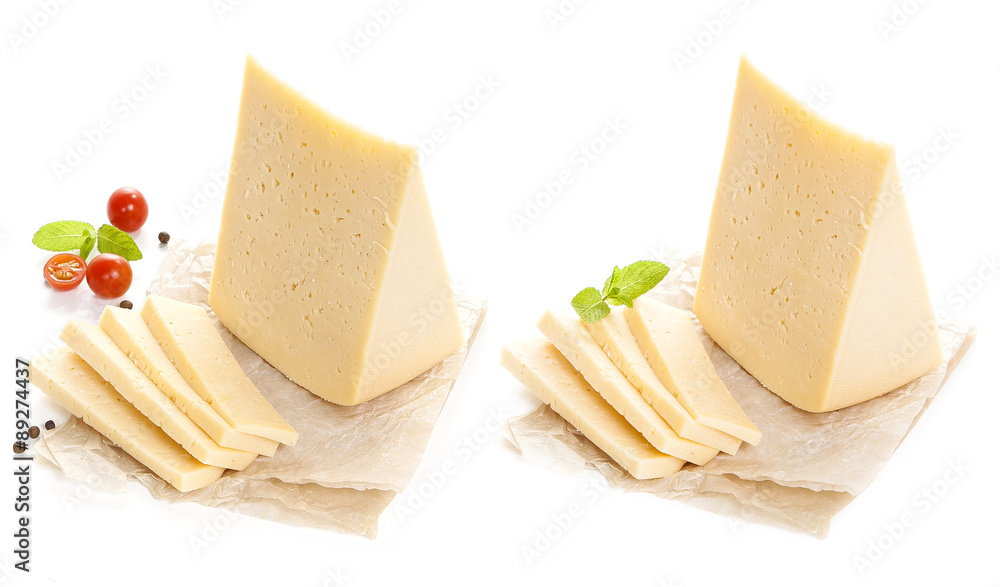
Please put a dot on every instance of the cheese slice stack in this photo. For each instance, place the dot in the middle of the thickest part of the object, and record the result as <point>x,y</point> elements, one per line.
<point>811,277</point>
<point>164,386</point>
<point>638,384</point>
<point>328,263</point>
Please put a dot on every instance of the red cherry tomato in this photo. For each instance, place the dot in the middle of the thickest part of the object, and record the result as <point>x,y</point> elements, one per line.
<point>109,275</point>
<point>127,209</point>
<point>65,271</point>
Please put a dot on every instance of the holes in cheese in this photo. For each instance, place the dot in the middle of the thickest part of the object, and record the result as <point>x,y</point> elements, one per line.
<point>541,368</point>
<point>74,385</point>
<point>189,338</point>
<point>811,278</point>
<point>328,263</point>
<point>131,334</point>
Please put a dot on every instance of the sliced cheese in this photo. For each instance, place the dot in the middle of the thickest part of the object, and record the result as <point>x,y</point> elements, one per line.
<point>673,349</point>
<point>328,263</point>
<point>542,369</point>
<point>68,380</point>
<point>613,334</point>
<point>103,355</point>
<point>811,277</point>
<point>568,335</point>
<point>189,338</point>
<point>132,336</point>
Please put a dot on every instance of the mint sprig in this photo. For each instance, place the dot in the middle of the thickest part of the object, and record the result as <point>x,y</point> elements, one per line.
<point>113,240</point>
<point>72,235</point>
<point>621,289</point>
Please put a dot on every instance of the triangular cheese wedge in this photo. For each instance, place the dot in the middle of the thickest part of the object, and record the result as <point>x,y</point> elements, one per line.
<point>329,264</point>
<point>811,277</point>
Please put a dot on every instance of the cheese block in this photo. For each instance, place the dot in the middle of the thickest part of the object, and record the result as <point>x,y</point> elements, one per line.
<point>100,352</point>
<point>542,369</point>
<point>189,338</point>
<point>568,335</point>
<point>674,351</point>
<point>811,277</point>
<point>68,380</point>
<point>131,334</point>
<point>328,262</point>
<point>615,337</point>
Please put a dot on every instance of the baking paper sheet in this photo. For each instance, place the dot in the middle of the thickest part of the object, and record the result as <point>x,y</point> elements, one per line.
<point>806,468</point>
<point>349,462</point>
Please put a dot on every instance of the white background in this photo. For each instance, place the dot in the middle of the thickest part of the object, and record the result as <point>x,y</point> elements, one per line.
<point>932,73</point>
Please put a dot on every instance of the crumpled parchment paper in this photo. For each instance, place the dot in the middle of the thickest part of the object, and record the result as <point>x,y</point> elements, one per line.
<point>806,468</point>
<point>349,462</point>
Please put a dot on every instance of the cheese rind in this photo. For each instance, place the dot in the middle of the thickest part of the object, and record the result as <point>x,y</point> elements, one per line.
<point>613,334</point>
<point>74,385</point>
<point>811,277</point>
<point>542,369</point>
<point>674,351</point>
<point>328,263</point>
<point>92,345</point>
<point>131,334</point>
<point>189,338</point>
<point>568,335</point>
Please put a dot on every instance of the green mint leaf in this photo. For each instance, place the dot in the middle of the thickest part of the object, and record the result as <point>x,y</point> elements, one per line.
<point>619,301</point>
<point>613,285</point>
<point>589,304</point>
<point>112,240</point>
<point>640,277</point>
<point>62,235</point>
<point>88,244</point>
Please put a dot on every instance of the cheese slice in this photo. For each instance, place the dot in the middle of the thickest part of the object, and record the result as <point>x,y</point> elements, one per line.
<point>68,380</point>
<point>811,277</point>
<point>542,369</point>
<point>189,338</point>
<point>613,334</point>
<point>100,352</point>
<point>568,335</point>
<point>131,334</point>
<point>328,262</point>
<point>673,349</point>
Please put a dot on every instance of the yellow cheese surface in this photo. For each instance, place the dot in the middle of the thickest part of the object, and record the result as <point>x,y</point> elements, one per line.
<point>568,335</point>
<point>811,277</point>
<point>328,263</point>
<point>133,337</point>
<point>189,338</point>
<point>673,349</point>
<point>103,355</point>
<point>541,368</point>
<point>615,337</point>
<point>68,380</point>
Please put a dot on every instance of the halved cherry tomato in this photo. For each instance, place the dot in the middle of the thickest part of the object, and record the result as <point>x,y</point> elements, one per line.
<point>65,271</point>
<point>127,209</point>
<point>109,275</point>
